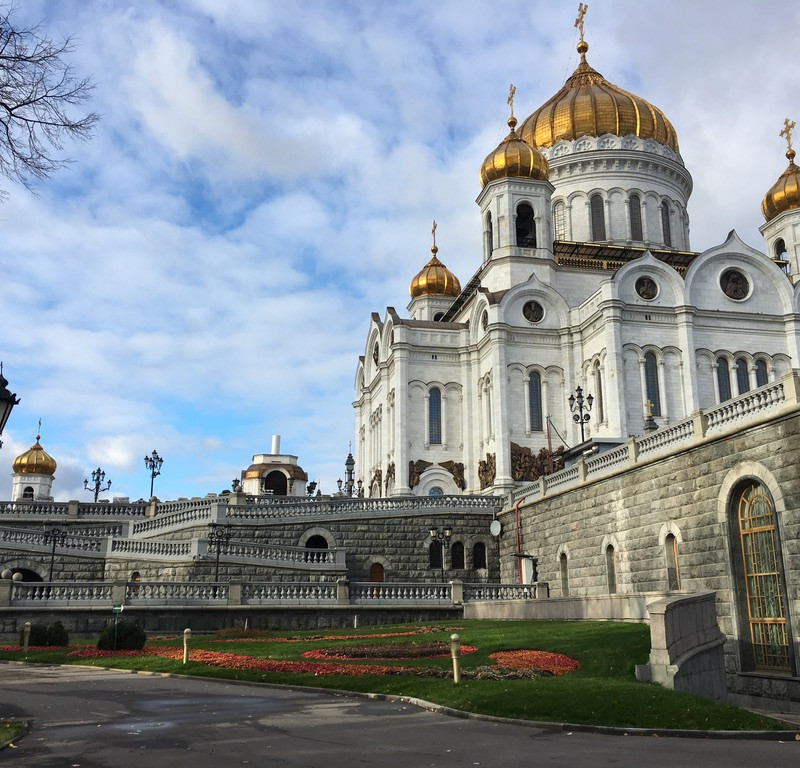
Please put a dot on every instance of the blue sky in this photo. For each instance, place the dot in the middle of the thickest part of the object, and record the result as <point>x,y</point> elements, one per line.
<point>265,175</point>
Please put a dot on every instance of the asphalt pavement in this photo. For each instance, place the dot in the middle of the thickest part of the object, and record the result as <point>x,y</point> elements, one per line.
<point>96,718</point>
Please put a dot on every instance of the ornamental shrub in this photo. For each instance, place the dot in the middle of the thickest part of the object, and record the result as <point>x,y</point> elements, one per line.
<point>130,637</point>
<point>45,634</point>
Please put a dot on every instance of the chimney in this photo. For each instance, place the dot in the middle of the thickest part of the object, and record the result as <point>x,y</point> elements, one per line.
<point>276,444</point>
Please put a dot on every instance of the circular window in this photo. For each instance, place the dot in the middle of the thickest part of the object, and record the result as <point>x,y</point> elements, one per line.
<point>533,311</point>
<point>436,491</point>
<point>734,284</point>
<point>647,288</point>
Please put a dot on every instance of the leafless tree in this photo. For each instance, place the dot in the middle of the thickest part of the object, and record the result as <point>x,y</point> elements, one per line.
<point>38,94</point>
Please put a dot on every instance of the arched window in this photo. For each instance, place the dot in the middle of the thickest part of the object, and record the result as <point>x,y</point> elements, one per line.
<point>665,228</point>
<point>611,570</point>
<point>635,208</point>
<point>651,383</point>
<point>489,234</point>
<point>780,247</point>
<point>438,316</point>
<point>560,220</point>
<point>598,389</point>
<point>671,555</point>
<point>457,555</point>
<point>723,379</point>
<point>435,555</point>
<point>315,542</point>
<point>761,373</point>
<point>435,416</point>
<point>274,483</point>
<point>479,555</point>
<point>27,493</point>
<point>761,591</point>
<point>598,218</point>
<point>526,226</point>
<point>435,491</point>
<point>376,572</point>
<point>742,376</point>
<point>535,400</point>
<point>563,567</point>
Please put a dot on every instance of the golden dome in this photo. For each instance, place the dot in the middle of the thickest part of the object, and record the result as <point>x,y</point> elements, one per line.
<point>35,461</point>
<point>514,158</point>
<point>434,279</point>
<point>588,105</point>
<point>784,194</point>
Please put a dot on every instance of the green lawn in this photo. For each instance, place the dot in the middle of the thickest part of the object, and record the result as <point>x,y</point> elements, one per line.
<point>10,730</point>
<point>603,691</point>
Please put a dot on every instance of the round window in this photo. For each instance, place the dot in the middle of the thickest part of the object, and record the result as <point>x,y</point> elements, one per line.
<point>734,284</point>
<point>533,311</point>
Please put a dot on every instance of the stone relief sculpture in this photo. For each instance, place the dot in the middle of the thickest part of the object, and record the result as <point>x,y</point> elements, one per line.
<point>415,470</point>
<point>487,471</point>
<point>456,469</point>
<point>389,477</point>
<point>527,467</point>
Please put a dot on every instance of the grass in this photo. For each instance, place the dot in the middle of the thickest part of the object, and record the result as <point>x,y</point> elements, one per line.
<point>10,730</point>
<point>603,691</point>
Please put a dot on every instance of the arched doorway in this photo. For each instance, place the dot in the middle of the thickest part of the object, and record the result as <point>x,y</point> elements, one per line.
<point>376,572</point>
<point>27,574</point>
<point>761,591</point>
<point>274,482</point>
<point>315,543</point>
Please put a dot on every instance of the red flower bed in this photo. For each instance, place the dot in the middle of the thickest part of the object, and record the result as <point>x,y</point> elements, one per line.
<point>555,663</point>
<point>389,651</point>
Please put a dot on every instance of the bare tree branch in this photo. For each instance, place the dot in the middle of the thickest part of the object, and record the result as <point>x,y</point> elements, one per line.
<point>38,94</point>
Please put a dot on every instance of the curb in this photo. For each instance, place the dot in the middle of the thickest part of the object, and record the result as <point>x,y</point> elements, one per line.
<point>566,728</point>
<point>25,731</point>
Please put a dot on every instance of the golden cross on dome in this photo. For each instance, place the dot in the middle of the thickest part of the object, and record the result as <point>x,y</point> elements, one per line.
<point>649,408</point>
<point>582,8</point>
<point>39,431</point>
<point>512,89</point>
<point>433,232</point>
<point>788,127</point>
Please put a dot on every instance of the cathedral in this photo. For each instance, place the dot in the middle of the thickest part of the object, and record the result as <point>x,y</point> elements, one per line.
<point>589,320</point>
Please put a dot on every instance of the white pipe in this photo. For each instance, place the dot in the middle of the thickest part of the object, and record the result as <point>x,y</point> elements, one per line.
<point>276,445</point>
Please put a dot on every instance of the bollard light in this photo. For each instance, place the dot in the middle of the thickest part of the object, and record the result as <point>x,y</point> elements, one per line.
<point>455,652</point>
<point>187,637</point>
<point>26,636</point>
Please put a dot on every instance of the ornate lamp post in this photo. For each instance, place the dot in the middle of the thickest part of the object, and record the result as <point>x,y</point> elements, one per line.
<point>349,479</point>
<point>219,535</point>
<point>580,408</point>
<point>7,401</point>
<point>97,480</point>
<point>442,538</point>
<point>153,464</point>
<point>53,536</point>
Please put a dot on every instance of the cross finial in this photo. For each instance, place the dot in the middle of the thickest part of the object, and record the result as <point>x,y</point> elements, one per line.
<point>39,431</point>
<point>433,232</point>
<point>649,409</point>
<point>788,127</point>
<point>512,89</point>
<point>582,8</point>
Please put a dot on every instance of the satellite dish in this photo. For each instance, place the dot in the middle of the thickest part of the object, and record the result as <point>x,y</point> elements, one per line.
<point>495,528</point>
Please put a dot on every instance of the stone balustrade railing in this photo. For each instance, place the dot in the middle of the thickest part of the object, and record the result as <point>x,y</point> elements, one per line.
<point>104,594</point>
<point>65,543</point>
<point>152,548</point>
<point>175,519</point>
<point>708,424</point>
<point>272,554</point>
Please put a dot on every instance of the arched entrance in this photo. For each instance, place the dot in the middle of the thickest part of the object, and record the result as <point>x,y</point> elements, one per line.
<point>316,542</point>
<point>376,572</point>
<point>761,591</point>
<point>274,482</point>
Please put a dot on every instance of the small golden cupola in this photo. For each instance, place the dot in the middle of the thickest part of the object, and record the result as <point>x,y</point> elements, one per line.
<point>589,105</point>
<point>784,194</point>
<point>35,461</point>
<point>434,279</point>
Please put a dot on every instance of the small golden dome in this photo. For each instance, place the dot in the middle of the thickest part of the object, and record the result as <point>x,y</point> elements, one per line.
<point>35,461</point>
<point>514,158</point>
<point>434,279</point>
<point>588,105</point>
<point>784,194</point>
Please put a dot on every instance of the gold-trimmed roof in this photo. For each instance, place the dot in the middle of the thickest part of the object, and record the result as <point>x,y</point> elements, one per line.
<point>784,194</point>
<point>588,105</point>
<point>514,158</point>
<point>434,279</point>
<point>35,461</point>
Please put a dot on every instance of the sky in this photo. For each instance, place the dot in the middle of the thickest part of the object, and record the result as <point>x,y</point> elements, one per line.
<point>265,175</point>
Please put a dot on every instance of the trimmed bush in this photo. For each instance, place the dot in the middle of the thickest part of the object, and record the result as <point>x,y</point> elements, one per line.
<point>130,637</point>
<point>45,635</point>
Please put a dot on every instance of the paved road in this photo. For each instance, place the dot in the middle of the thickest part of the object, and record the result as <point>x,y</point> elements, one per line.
<point>90,718</point>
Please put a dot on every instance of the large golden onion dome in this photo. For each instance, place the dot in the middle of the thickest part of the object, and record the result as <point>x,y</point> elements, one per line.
<point>514,158</point>
<point>434,279</point>
<point>784,194</point>
<point>35,461</point>
<point>588,105</point>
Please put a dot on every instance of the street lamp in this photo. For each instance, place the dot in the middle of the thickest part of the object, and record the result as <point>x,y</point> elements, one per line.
<point>97,479</point>
<point>442,538</point>
<point>153,464</point>
<point>219,535</point>
<point>7,401</point>
<point>349,479</point>
<point>580,411</point>
<point>54,536</point>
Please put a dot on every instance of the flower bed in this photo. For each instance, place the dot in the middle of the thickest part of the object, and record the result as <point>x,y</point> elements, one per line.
<point>435,650</point>
<point>554,663</point>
